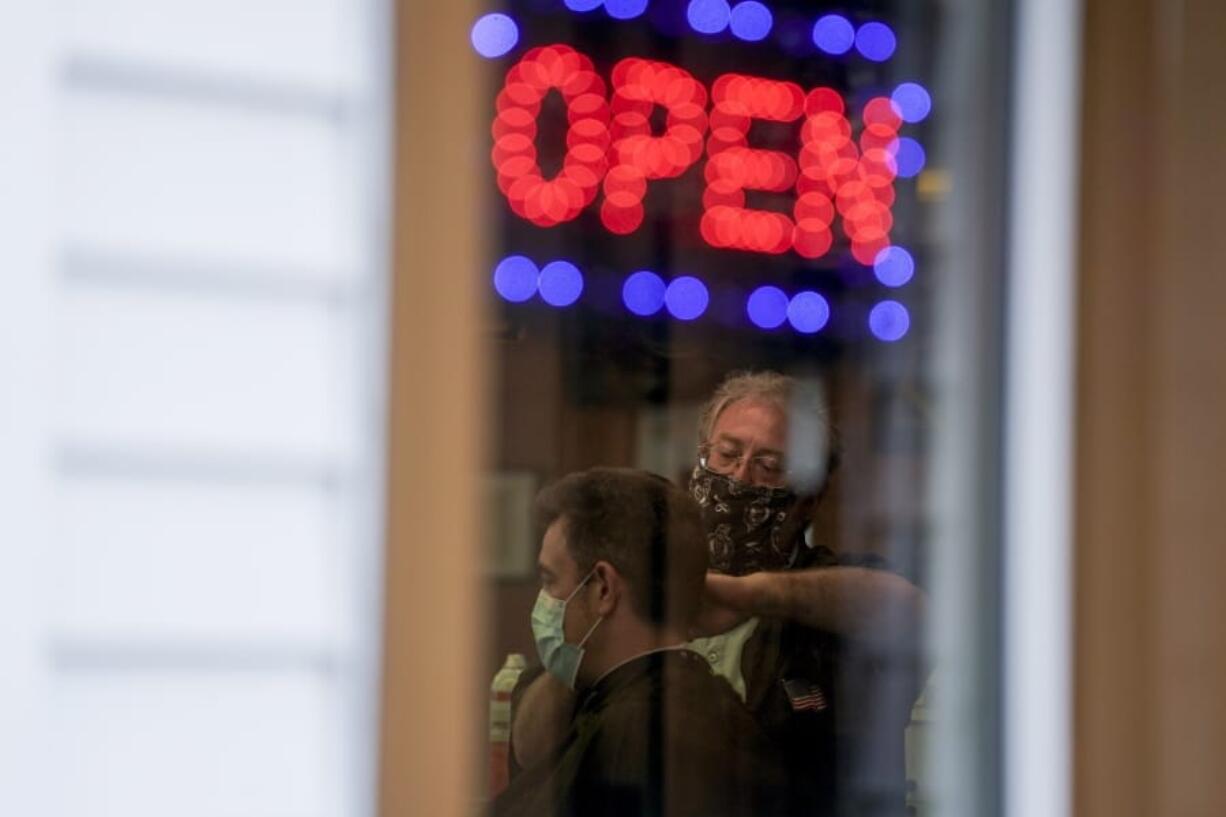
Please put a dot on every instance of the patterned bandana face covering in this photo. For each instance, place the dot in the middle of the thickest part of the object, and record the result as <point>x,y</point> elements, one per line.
<point>749,528</point>
<point>548,620</point>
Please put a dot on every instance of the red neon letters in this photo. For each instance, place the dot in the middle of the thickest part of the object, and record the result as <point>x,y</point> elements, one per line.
<point>610,145</point>
<point>639,86</point>
<point>546,203</point>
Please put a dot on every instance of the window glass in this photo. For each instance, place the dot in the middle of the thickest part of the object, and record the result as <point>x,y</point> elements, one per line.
<point>679,192</point>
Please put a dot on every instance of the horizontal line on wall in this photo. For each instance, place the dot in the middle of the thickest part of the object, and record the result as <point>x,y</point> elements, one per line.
<point>102,72</point>
<point>98,655</point>
<point>76,459</point>
<point>82,264</point>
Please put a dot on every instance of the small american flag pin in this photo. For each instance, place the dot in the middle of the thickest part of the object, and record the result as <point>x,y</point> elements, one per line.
<point>804,695</point>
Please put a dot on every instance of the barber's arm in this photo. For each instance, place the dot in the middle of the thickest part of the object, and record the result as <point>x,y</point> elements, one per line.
<point>873,606</point>
<point>541,718</point>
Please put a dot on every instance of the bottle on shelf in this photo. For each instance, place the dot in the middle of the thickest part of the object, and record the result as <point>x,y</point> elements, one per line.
<point>500,721</point>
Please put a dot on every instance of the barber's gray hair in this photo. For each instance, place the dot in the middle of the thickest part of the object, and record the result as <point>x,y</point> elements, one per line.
<point>765,387</point>
<point>811,429</point>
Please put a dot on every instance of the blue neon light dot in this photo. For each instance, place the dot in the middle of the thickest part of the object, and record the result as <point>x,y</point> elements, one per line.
<point>913,101</point>
<point>889,321</point>
<point>808,312</point>
<point>686,298</point>
<point>494,35</point>
<point>909,156</point>
<point>708,16</point>
<point>515,278</point>
<point>894,266</point>
<point>561,283</point>
<point>751,21</point>
<point>767,307</point>
<point>834,34</point>
<point>643,293</point>
<point>876,42</point>
<point>625,9</point>
<point>583,5</point>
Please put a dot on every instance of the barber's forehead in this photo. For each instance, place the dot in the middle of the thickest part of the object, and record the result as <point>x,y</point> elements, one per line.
<point>753,414</point>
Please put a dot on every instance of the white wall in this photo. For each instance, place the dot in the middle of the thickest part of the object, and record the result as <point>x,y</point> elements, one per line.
<point>191,367</point>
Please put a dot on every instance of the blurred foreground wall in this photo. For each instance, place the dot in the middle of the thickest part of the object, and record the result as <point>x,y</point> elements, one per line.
<point>191,282</point>
<point>1150,614</point>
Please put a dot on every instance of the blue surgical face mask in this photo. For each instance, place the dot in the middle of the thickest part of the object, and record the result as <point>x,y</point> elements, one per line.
<point>548,628</point>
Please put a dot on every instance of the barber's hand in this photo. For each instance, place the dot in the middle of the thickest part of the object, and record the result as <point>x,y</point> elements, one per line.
<point>740,593</point>
<point>724,605</point>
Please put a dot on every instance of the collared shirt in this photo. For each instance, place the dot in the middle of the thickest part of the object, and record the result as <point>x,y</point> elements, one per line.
<point>723,653</point>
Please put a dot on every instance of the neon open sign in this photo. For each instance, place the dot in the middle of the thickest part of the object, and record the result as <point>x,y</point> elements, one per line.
<point>611,153</point>
<point>830,172</point>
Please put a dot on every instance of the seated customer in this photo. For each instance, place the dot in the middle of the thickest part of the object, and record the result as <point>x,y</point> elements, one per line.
<point>654,732</point>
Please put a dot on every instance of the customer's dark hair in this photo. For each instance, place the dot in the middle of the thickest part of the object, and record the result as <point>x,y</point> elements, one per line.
<point>644,526</point>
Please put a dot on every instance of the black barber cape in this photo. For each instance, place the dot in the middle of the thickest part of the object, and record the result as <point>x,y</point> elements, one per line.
<point>659,736</point>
